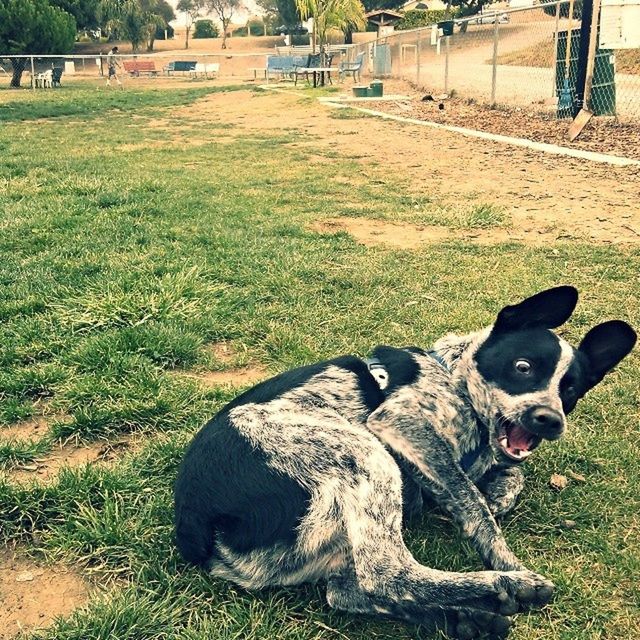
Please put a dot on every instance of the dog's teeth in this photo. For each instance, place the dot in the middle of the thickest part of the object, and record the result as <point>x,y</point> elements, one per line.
<point>504,442</point>
<point>524,454</point>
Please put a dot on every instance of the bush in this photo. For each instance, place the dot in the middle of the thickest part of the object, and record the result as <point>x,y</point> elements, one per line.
<point>160,32</point>
<point>256,28</point>
<point>205,29</point>
<point>417,18</point>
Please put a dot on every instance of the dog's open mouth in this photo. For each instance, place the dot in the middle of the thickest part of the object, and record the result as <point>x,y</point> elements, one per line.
<point>515,441</point>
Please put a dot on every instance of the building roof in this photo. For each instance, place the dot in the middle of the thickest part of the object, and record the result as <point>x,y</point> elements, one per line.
<point>383,16</point>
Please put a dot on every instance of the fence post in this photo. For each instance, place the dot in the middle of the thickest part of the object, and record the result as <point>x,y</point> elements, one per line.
<point>33,75</point>
<point>446,64</point>
<point>494,71</point>
<point>555,51</point>
<point>418,59</point>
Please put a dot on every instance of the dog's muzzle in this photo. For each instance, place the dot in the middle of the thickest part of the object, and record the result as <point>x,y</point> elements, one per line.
<point>518,438</point>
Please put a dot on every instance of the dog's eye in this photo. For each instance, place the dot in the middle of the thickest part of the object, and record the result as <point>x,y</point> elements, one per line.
<point>523,366</point>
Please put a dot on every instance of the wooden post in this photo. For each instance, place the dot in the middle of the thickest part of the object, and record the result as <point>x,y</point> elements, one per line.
<point>418,48</point>
<point>555,53</point>
<point>33,75</point>
<point>494,71</point>
<point>446,64</point>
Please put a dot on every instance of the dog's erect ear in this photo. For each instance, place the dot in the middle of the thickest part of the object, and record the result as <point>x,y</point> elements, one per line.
<point>545,310</point>
<point>605,346</point>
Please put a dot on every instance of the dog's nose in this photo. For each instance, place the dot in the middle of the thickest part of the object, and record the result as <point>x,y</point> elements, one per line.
<point>543,421</point>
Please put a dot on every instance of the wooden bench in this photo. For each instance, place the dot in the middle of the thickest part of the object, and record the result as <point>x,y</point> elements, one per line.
<point>136,67</point>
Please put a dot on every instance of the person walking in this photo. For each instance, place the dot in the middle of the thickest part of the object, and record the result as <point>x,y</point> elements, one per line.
<point>113,65</point>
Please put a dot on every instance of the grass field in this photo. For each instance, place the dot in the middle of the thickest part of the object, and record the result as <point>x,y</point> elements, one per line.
<point>126,258</point>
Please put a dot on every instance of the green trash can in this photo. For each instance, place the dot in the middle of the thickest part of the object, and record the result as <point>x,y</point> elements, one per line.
<point>360,92</point>
<point>447,27</point>
<point>603,93</point>
<point>375,89</point>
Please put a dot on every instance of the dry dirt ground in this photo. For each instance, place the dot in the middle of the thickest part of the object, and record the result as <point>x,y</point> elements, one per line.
<point>32,594</point>
<point>547,197</point>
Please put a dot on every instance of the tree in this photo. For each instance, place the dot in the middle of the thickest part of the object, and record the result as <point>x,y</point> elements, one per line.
<point>279,12</point>
<point>224,10</point>
<point>205,29</point>
<point>33,27</point>
<point>136,20</point>
<point>86,12</point>
<point>191,10</point>
<point>331,14</point>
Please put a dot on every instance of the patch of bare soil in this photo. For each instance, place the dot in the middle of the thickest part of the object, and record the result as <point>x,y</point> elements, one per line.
<point>540,192</point>
<point>32,429</point>
<point>238,377</point>
<point>601,135</point>
<point>47,467</point>
<point>411,236</point>
<point>32,595</point>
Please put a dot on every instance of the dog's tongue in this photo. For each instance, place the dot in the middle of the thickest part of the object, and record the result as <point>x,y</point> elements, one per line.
<point>519,438</point>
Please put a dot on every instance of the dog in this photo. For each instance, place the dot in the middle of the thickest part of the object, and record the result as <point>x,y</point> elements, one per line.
<point>310,475</point>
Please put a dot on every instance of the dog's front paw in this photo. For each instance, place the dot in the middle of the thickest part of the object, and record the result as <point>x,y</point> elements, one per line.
<point>521,591</point>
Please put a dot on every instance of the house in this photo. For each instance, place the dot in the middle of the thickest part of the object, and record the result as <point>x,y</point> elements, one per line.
<point>424,5</point>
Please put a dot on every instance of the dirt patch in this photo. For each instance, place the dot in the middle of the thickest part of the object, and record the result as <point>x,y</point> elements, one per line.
<point>238,377</point>
<point>410,236</point>
<point>601,135</point>
<point>223,352</point>
<point>32,595</point>
<point>32,429</point>
<point>46,467</point>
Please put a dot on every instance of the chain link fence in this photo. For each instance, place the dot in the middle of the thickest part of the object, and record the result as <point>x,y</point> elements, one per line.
<point>80,70</point>
<point>513,57</point>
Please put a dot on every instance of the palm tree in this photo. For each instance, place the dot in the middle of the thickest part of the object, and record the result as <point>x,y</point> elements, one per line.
<point>331,14</point>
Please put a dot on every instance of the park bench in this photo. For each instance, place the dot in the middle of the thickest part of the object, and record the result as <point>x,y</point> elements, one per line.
<point>205,69</point>
<point>282,66</point>
<point>354,68</point>
<point>136,67</point>
<point>180,66</point>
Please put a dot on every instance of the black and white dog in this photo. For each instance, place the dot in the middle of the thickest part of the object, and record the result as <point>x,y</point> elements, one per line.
<point>304,477</point>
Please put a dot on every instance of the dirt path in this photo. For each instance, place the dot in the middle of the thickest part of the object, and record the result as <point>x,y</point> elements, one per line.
<point>562,197</point>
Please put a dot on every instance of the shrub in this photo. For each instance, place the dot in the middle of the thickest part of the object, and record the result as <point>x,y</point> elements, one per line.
<point>161,30</point>
<point>418,18</point>
<point>205,29</point>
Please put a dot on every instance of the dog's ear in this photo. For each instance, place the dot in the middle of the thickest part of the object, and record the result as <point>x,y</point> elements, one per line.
<point>546,310</point>
<point>605,346</point>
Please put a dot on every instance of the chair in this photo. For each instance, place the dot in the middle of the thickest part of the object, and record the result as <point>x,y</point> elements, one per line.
<point>354,68</point>
<point>44,79</point>
<point>313,61</point>
<point>56,76</point>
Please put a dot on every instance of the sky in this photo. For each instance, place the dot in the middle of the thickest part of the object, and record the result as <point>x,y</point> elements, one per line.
<point>238,18</point>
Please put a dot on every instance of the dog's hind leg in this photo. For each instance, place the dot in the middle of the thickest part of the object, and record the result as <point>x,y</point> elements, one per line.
<point>384,578</point>
<point>344,594</point>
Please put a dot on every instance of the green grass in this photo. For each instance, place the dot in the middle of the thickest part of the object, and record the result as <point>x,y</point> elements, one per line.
<point>120,266</point>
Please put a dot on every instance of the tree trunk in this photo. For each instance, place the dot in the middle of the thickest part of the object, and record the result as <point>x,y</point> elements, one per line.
<point>224,34</point>
<point>186,42</point>
<point>18,65</point>
<point>348,36</point>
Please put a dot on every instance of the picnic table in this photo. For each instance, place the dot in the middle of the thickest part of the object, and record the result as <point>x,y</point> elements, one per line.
<point>317,72</point>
